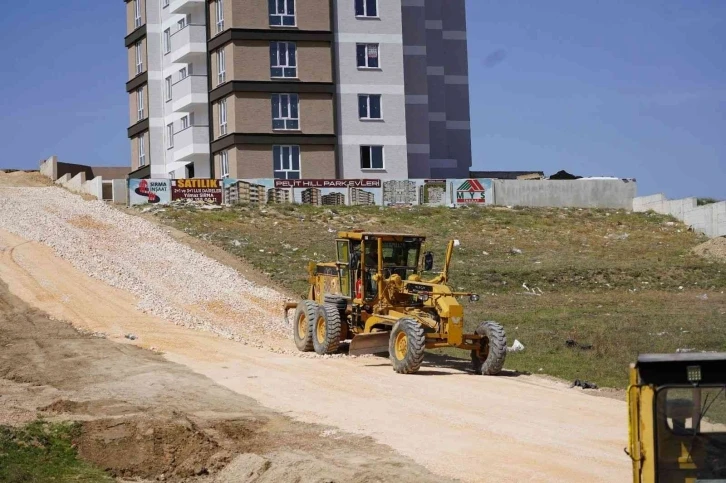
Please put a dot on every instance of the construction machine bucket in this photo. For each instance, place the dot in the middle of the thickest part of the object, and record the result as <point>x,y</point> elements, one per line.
<point>375,343</point>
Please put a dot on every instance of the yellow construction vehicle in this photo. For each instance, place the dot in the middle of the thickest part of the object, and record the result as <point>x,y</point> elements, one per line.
<point>677,415</point>
<point>376,296</point>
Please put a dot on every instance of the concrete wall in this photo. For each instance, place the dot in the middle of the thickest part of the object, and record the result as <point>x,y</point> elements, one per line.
<point>581,193</point>
<point>54,169</point>
<point>49,168</point>
<point>708,219</point>
<point>94,187</point>
<point>120,191</point>
<point>83,179</point>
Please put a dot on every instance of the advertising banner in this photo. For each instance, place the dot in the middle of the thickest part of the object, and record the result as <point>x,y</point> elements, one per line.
<point>207,190</point>
<point>351,192</point>
<point>471,191</point>
<point>143,191</point>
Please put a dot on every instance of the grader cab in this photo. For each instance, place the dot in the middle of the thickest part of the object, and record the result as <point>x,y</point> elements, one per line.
<point>376,296</point>
<point>677,415</point>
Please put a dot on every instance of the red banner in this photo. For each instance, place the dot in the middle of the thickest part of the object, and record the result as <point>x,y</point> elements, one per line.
<point>207,190</point>
<point>327,183</point>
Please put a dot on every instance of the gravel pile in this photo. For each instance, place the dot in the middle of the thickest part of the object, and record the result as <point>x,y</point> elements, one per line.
<point>170,279</point>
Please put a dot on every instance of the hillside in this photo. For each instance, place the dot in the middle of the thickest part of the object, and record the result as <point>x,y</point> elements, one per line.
<point>619,282</point>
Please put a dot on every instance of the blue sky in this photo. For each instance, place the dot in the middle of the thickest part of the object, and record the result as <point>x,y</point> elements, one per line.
<point>617,88</point>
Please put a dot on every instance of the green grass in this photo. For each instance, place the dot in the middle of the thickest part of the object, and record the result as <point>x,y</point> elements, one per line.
<point>43,452</point>
<point>706,201</point>
<point>624,283</point>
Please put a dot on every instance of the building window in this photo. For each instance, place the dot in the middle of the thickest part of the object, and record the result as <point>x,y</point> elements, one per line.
<point>285,108</point>
<point>220,15</point>
<point>221,68</point>
<point>170,135</point>
<point>142,152</point>
<point>283,59</point>
<point>282,13</point>
<point>224,161</point>
<point>223,117</point>
<point>371,157</point>
<point>183,73</point>
<point>139,57</point>
<point>366,8</point>
<point>185,122</point>
<point>367,56</point>
<point>137,13</point>
<point>140,103</point>
<point>369,106</point>
<point>286,161</point>
<point>166,3</point>
<point>168,88</point>
<point>167,41</point>
<point>181,24</point>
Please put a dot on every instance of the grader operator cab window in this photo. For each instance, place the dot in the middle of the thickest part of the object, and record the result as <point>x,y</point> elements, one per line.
<point>399,257</point>
<point>344,266</point>
<point>691,431</point>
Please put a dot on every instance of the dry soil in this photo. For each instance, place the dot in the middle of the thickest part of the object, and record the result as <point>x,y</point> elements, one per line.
<point>456,424</point>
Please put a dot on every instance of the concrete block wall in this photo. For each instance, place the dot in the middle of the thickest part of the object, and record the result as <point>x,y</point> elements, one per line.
<point>94,187</point>
<point>120,191</point>
<point>49,168</point>
<point>82,179</point>
<point>707,219</point>
<point>580,193</point>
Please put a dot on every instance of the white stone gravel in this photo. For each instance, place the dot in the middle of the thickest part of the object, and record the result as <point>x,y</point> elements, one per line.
<point>170,279</point>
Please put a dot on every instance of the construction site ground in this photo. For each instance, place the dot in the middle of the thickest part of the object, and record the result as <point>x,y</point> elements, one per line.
<point>183,397</point>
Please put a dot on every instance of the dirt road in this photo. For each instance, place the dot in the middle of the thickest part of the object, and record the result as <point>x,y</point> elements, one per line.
<point>454,423</point>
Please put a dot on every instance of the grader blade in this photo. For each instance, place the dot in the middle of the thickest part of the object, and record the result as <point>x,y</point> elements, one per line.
<point>376,343</point>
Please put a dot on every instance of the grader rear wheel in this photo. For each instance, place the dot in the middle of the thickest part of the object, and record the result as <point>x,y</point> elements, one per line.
<point>326,330</point>
<point>488,360</point>
<point>406,346</point>
<point>303,325</point>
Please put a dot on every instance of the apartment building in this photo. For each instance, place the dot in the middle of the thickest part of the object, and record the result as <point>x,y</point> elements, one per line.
<point>333,199</point>
<point>311,196</point>
<point>297,89</point>
<point>168,88</point>
<point>361,197</point>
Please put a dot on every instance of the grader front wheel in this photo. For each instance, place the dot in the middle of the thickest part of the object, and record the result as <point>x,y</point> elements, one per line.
<point>488,359</point>
<point>326,329</point>
<point>303,325</point>
<point>406,346</point>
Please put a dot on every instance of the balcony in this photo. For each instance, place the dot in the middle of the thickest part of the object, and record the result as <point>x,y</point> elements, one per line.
<point>189,44</point>
<point>185,6</point>
<point>191,143</point>
<point>189,93</point>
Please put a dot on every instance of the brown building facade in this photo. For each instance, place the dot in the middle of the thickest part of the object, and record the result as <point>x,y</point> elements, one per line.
<point>273,96</point>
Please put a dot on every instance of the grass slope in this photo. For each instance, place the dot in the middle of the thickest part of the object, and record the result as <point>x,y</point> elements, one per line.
<point>624,283</point>
<point>43,452</point>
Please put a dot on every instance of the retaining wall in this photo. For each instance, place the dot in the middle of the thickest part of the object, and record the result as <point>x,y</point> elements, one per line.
<point>708,219</point>
<point>82,179</point>
<point>579,193</point>
<point>120,191</point>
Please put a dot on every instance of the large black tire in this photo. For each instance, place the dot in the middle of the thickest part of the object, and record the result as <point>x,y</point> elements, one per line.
<point>406,346</point>
<point>326,329</point>
<point>340,303</point>
<point>489,359</point>
<point>303,325</point>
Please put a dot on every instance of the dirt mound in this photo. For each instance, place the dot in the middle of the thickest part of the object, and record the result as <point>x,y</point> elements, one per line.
<point>23,178</point>
<point>171,445</point>
<point>714,248</point>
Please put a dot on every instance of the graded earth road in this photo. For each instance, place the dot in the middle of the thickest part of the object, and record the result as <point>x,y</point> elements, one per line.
<point>456,424</point>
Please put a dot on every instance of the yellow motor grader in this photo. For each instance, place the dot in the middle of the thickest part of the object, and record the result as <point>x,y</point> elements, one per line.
<point>375,296</point>
<point>677,415</point>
